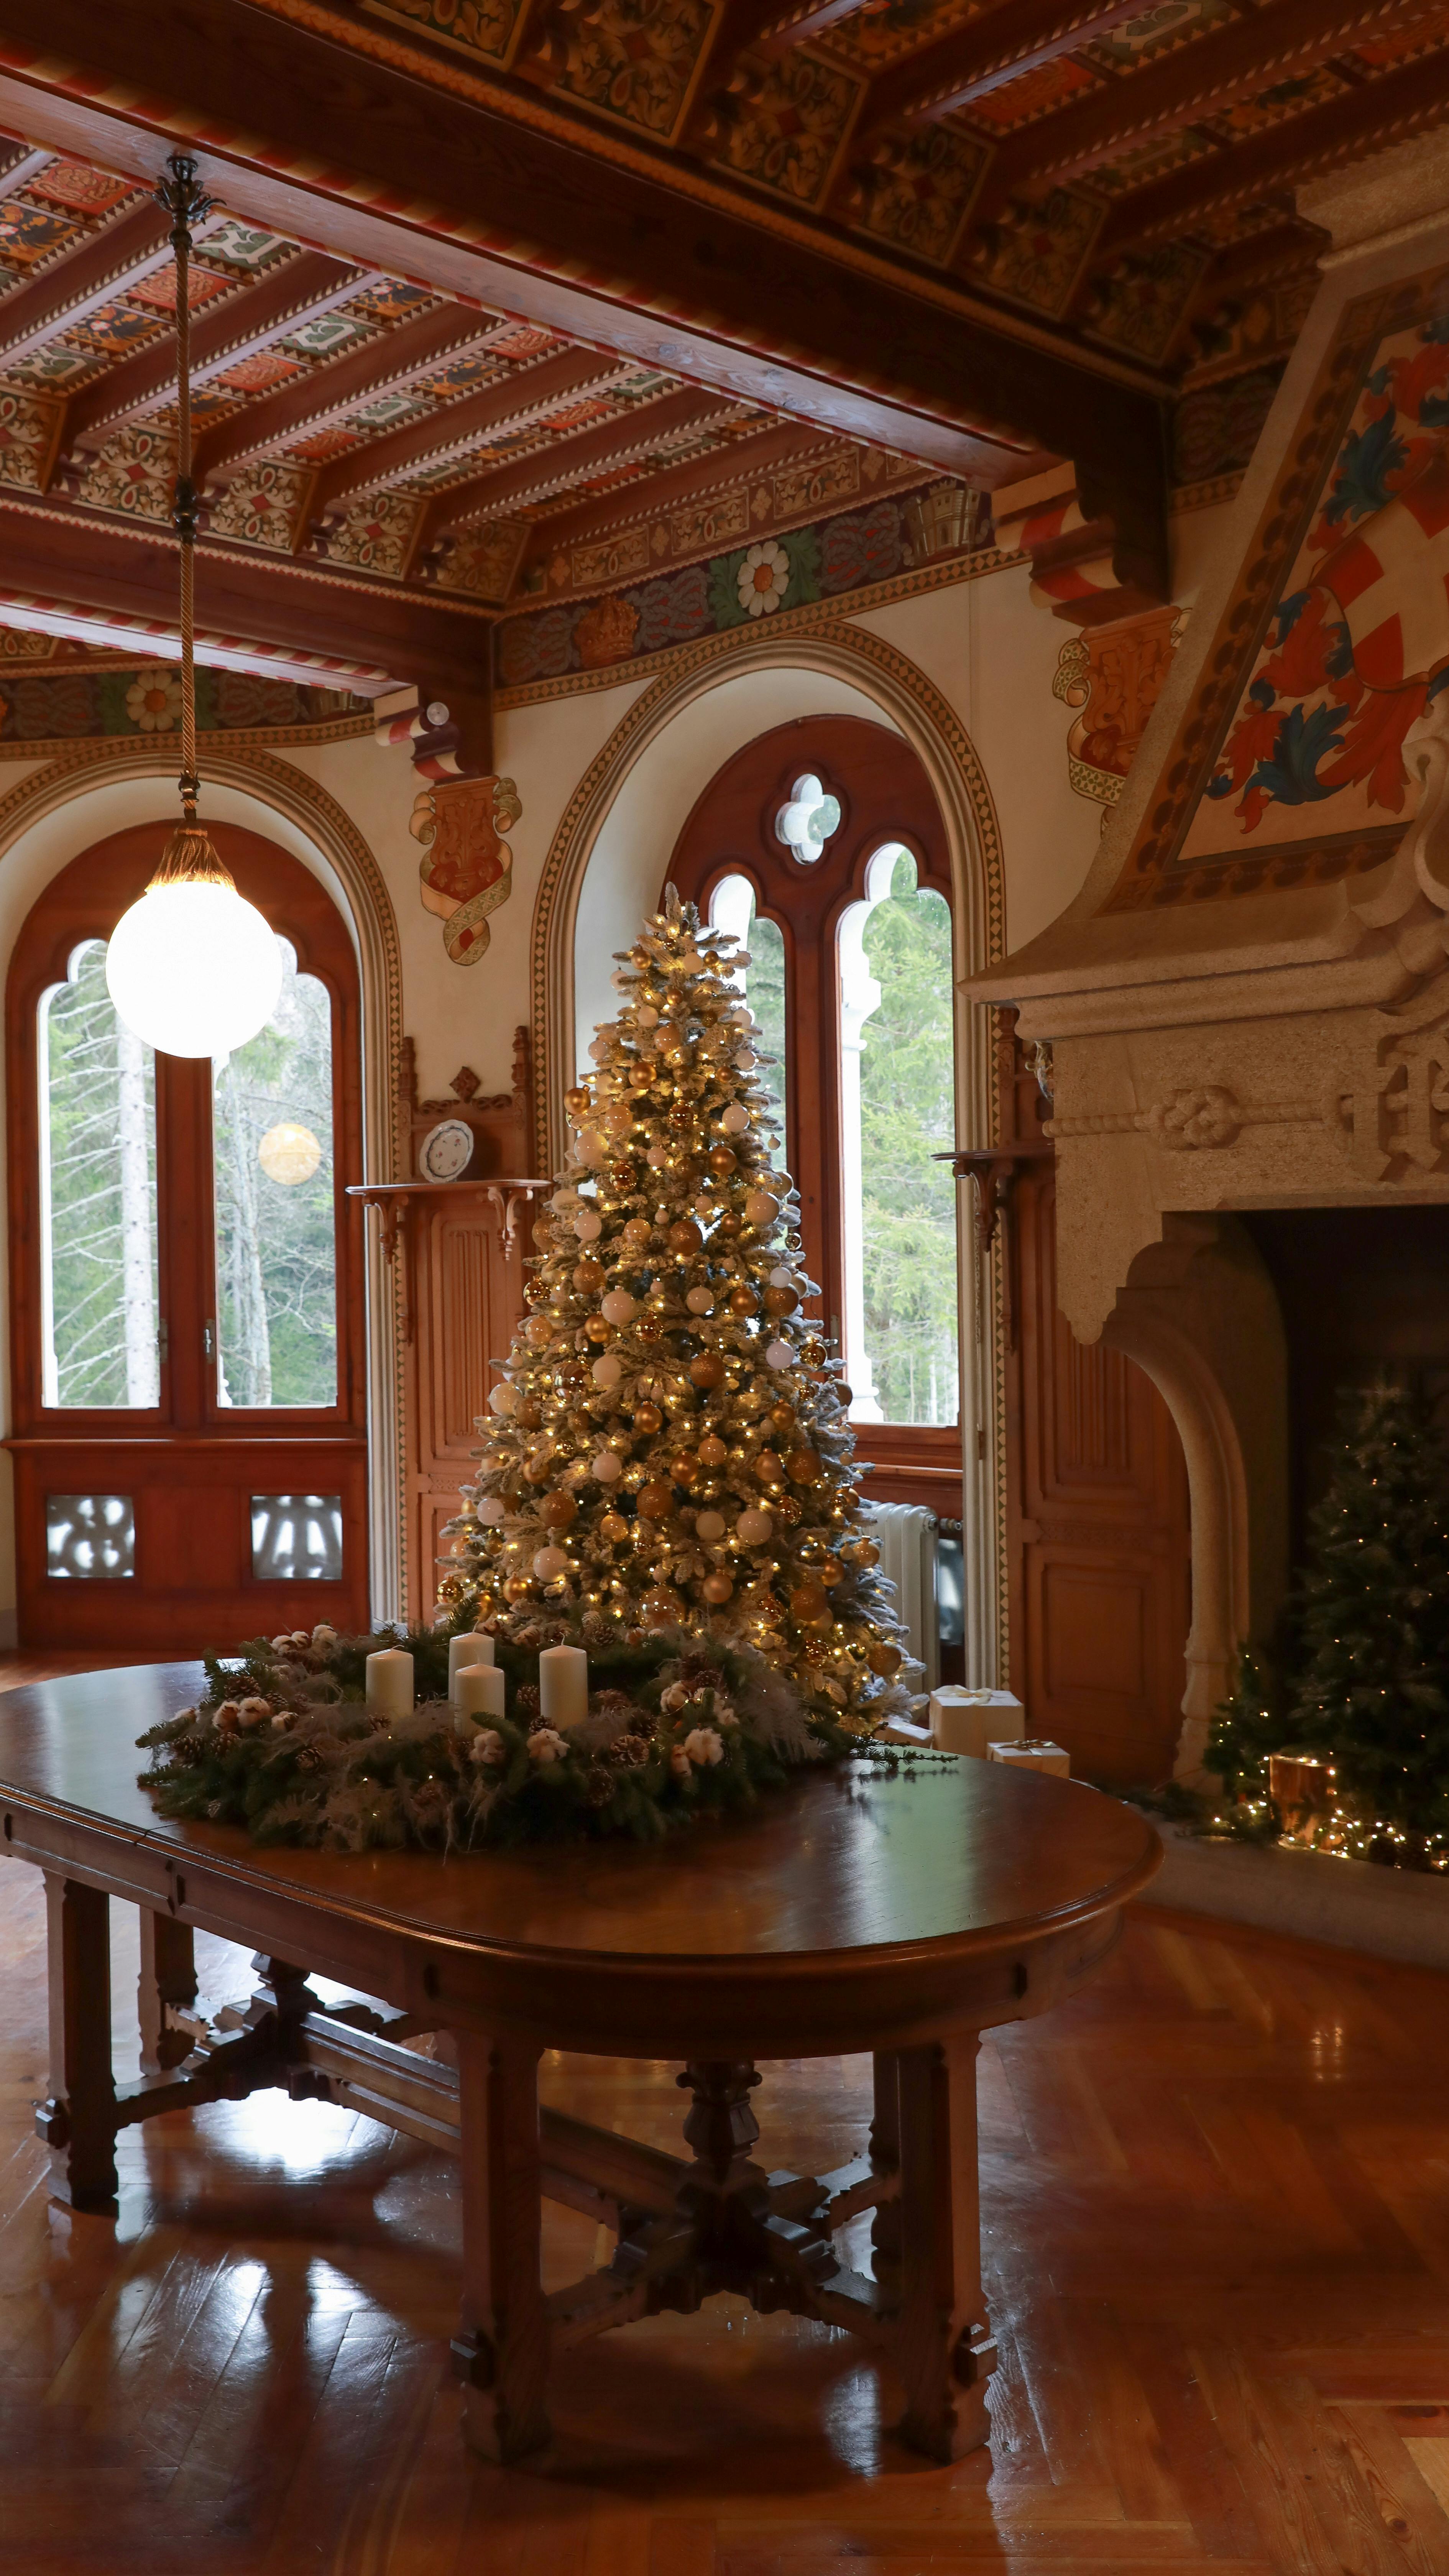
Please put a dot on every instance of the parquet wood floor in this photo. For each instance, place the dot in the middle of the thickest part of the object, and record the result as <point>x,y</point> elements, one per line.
<point>1216,2194</point>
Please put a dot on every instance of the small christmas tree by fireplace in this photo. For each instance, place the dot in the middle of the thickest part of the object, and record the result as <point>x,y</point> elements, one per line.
<point>669,1447</point>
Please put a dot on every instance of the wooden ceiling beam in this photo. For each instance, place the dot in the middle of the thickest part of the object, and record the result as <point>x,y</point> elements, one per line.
<point>783,443</point>
<point>327,393</point>
<point>451,429</point>
<point>786,28</point>
<point>297,290</point>
<point>1341,130</point>
<point>498,205</point>
<point>1235,62</point>
<point>266,606</point>
<point>120,255</point>
<point>984,55</point>
<point>23,165</point>
<point>536,478</point>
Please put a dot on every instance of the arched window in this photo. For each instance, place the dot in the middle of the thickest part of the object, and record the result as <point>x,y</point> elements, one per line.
<point>186,1293</point>
<point>821,847</point>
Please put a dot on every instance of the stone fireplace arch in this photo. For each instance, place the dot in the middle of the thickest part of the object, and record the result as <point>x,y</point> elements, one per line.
<point>1199,1314</point>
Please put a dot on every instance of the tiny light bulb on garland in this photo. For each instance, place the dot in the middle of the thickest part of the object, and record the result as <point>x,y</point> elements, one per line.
<point>192,968</point>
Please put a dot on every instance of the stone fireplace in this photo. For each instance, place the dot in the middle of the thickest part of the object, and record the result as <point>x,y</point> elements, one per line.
<point>1247,1007</point>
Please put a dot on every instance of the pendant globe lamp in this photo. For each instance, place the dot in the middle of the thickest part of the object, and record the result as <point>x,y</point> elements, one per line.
<point>193,968</point>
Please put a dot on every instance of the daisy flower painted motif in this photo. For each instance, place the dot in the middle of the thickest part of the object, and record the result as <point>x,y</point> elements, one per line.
<point>764,579</point>
<point>153,700</point>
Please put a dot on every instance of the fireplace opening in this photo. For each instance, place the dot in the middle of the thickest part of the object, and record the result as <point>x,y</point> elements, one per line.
<point>1363,1292</point>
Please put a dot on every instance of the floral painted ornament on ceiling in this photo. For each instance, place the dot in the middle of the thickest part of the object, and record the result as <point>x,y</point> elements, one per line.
<point>764,578</point>
<point>467,871</point>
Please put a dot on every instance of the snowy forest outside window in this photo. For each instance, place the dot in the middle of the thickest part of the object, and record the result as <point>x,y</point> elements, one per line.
<point>97,1114</point>
<point>276,1239</point>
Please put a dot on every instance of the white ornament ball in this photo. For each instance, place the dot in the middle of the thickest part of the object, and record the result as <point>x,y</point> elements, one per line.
<point>760,1208</point>
<point>700,1301</point>
<point>549,1563</point>
<point>754,1527</point>
<point>502,1398</point>
<point>491,1510</point>
<point>618,1307</point>
<point>647,1016</point>
<point>746,1060</point>
<point>657,1157</point>
<point>587,1226</point>
<point>593,1148</point>
<point>780,1355</point>
<point>606,1371</point>
<point>601,1049</point>
<point>736,1118</point>
<point>781,1276</point>
<point>709,1526</point>
<point>607,1467</point>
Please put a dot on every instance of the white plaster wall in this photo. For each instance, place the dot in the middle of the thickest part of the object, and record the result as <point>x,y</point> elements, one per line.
<point>992,651</point>
<point>634,847</point>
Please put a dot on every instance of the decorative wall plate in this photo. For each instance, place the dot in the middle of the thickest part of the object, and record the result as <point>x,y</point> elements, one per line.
<point>446,1151</point>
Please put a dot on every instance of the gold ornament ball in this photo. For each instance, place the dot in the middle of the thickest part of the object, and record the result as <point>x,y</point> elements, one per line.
<point>598,1328</point>
<point>803,1467</point>
<point>707,1370</point>
<point>559,1510</point>
<point>712,1451</point>
<point>613,1527</point>
<point>588,1277</point>
<point>743,1301</point>
<point>808,1605</point>
<point>517,1588</point>
<point>576,1102</point>
<point>655,1502</point>
<point>647,1417</point>
<point>884,1659</point>
<point>780,1301</point>
<point>661,1607</point>
<point>528,1414</point>
<point>782,1417</point>
<point>684,1236</point>
<point>717,1587</point>
<point>830,1570</point>
<point>649,1328</point>
<point>722,1159</point>
<point>638,1230</point>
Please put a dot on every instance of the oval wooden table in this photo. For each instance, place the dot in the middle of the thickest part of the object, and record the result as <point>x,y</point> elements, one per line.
<point>897,1914</point>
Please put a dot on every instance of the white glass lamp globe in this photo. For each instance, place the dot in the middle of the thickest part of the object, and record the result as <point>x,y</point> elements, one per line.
<point>193,968</point>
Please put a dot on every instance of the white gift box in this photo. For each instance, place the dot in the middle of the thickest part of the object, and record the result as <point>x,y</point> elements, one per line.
<point>1033,1753</point>
<point>966,1721</point>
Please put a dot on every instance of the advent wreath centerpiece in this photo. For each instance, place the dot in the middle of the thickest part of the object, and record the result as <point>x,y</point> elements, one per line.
<point>665,1488</point>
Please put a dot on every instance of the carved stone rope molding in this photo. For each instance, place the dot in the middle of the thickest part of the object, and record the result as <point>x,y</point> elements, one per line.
<point>1206,1116</point>
<point>1391,1118</point>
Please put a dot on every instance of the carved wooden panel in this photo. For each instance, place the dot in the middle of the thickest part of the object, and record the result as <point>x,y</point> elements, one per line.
<point>1098,1529</point>
<point>463,1294</point>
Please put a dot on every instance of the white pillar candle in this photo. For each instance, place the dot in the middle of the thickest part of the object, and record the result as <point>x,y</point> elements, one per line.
<point>390,1682</point>
<point>563,1685</point>
<point>465,1650</point>
<point>478,1692</point>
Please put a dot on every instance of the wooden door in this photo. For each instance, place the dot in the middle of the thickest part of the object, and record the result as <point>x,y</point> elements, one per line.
<point>466,1253</point>
<point>213,1485</point>
<point>1098,1529</point>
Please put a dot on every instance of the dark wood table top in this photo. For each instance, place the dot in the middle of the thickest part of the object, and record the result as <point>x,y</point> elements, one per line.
<point>930,1884</point>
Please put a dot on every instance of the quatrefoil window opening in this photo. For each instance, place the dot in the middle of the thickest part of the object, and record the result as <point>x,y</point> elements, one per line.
<point>809,819</point>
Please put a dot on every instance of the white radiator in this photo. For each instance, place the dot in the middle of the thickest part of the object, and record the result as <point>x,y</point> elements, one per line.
<point>906,1536</point>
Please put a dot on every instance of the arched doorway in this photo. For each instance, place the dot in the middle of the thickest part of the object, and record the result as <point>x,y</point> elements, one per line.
<point>187,1326</point>
<point>821,845</point>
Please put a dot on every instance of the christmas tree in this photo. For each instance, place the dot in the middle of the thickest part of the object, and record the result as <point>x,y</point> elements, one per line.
<point>669,1448</point>
<point>1373,1615</point>
<point>1367,1652</point>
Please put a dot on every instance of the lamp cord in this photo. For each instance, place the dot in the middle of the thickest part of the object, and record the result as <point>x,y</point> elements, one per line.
<point>186,202</point>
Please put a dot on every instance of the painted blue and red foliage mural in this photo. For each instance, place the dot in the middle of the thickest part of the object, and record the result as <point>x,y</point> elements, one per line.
<point>1358,643</point>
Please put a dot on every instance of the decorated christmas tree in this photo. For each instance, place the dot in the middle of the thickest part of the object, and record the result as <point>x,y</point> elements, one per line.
<point>1367,1659</point>
<point>670,1448</point>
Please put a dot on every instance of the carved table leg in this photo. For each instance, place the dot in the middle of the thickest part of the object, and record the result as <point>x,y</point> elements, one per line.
<point>167,1979</point>
<point>501,2352</point>
<point>943,2341</point>
<point>78,2120</point>
<point>885,2156</point>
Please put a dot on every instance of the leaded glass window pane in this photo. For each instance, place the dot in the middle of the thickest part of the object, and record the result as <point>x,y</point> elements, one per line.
<point>276,1240</point>
<point>98,1273</point>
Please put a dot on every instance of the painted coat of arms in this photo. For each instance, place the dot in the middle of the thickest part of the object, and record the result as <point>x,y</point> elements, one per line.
<point>1358,643</point>
<point>467,868</point>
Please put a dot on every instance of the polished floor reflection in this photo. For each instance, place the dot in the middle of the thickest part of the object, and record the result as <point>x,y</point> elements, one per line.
<point>1217,2228</point>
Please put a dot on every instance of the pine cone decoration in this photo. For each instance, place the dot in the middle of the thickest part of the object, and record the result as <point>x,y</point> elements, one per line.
<point>598,1785</point>
<point>631,1752</point>
<point>528,1703</point>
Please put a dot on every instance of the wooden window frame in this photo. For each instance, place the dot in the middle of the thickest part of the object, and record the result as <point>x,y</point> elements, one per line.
<point>884,795</point>
<point>188,1437</point>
